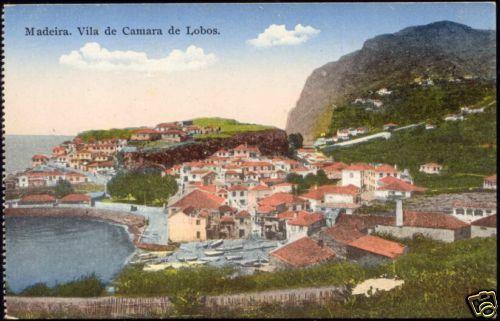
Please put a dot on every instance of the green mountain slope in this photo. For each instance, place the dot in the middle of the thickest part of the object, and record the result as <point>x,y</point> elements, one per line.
<point>467,149</point>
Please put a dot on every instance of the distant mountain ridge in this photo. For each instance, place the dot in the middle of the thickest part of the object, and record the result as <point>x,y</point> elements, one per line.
<point>440,49</point>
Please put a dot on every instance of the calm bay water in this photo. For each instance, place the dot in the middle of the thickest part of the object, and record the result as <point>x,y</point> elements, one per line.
<point>20,148</point>
<point>61,249</point>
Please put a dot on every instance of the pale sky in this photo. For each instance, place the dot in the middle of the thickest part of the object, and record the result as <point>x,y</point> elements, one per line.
<point>253,71</point>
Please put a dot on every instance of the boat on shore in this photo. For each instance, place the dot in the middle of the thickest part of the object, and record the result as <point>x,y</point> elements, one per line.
<point>213,253</point>
<point>234,257</point>
<point>217,243</point>
<point>232,248</point>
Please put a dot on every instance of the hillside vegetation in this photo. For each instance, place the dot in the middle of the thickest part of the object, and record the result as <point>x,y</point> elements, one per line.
<point>99,134</point>
<point>467,149</point>
<point>413,103</point>
<point>228,127</point>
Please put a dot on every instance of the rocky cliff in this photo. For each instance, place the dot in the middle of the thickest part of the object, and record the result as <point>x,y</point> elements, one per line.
<point>269,142</point>
<point>440,49</point>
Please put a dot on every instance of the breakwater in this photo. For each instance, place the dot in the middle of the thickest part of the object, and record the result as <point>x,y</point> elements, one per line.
<point>135,224</point>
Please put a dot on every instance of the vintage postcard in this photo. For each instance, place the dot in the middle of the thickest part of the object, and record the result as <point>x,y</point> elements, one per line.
<point>262,160</point>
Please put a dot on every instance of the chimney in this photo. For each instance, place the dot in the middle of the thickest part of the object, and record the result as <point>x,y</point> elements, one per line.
<point>399,212</point>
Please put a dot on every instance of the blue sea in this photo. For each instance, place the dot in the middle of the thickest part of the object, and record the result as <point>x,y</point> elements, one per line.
<point>20,148</point>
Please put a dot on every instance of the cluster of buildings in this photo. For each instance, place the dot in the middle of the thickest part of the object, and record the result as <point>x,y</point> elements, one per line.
<point>464,111</point>
<point>240,192</point>
<point>172,132</point>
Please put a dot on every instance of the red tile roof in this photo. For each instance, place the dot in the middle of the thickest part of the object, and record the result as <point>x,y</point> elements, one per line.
<point>342,233</point>
<point>306,219</point>
<point>146,131</point>
<point>226,219</point>
<point>378,245</point>
<point>386,168</point>
<point>207,188</point>
<point>319,192</point>
<point>338,166</point>
<point>488,221</point>
<point>38,198</point>
<point>492,178</point>
<point>363,222</point>
<point>358,167</point>
<point>287,215</point>
<point>237,188</point>
<point>432,220</point>
<point>200,200</point>
<point>39,156</point>
<point>75,198</point>
<point>303,252</point>
<point>391,183</point>
<point>243,214</point>
<point>265,209</point>
<point>260,188</point>
<point>281,198</point>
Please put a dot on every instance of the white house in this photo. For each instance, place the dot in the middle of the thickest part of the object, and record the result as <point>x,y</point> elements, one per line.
<point>355,174</point>
<point>300,224</point>
<point>469,211</point>
<point>384,92</point>
<point>490,182</point>
<point>453,117</point>
<point>391,187</point>
<point>238,197</point>
<point>431,168</point>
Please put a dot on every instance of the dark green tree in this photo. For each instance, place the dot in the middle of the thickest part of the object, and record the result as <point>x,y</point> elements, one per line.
<point>144,187</point>
<point>295,140</point>
<point>63,188</point>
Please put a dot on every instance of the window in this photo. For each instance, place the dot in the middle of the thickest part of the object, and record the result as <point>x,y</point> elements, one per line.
<point>198,235</point>
<point>198,222</point>
<point>469,211</point>
<point>242,220</point>
<point>478,212</point>
<point>488,211</point>
<point>380,175</point>
<point>351,175</point>
<point>242,193</point>
<point>234,193</point>
<point>460,211</point>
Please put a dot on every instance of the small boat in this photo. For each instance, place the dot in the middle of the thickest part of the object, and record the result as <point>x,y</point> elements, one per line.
<point>213,253</point>
<point>197,262</point>
<point>232,248</point>
<point>146,256</point>
<point>263,260</point>
<point>207,245</point>
<point>234,257</point>
<point>210,259</point>
<point>189,258</point>
<point>248,263</point>
<point>216,243</point>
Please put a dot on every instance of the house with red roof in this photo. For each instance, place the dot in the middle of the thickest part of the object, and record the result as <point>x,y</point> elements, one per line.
<point>369,250</point>
<point>334,171</point>
<point>237,196</point>
<point>256,193</point>
<point>484,227</point>
<point>431,168</point>
<point>301,253</point>
<point>338,237</point>
<point>76,199</point>
<point>163,127</point>
<point>174,136</point>
<point>187,225</point>
<point>356,174</point>
<point>246,151</point>
<point>284,187</point>
<point>437,226</point>
<point>284,202</point>
<point>38,160</point>
<point>490,182</point>
<point>469,210</point>
<point>198,200</point>
<point>37,199</point>
<point>301,223</point>
<point>243,221</point>
<point>332,197</point>
<point>145,134</point>
<point>390,126</point>
<point>391,187</point>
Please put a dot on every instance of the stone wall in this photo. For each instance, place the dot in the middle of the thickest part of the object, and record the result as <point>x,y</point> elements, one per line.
<point>409,232</point>
<point>105,307</point>
<point>269,142</point>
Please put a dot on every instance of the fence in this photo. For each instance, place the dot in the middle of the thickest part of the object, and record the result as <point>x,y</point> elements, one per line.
<point>162,306</point>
